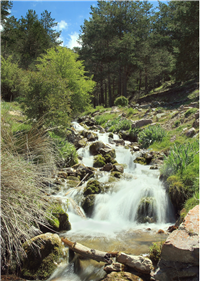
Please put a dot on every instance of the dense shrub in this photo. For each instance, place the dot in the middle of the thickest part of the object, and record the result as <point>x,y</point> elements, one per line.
<point>11,76</point>
<point>121,125</point>
<point>151,134</point>
<point>121,101</point>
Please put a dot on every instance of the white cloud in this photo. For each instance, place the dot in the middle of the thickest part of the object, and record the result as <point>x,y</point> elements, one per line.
<point>62,25</point>
<point>73,41</point>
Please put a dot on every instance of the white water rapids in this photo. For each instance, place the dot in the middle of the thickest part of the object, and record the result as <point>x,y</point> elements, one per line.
<point>114,218</point>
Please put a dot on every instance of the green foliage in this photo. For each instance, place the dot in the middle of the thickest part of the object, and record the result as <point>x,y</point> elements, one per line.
<point>121,125</point>
<point>151,134</point>
<point>190,111</point>
<point>155,251</point>
<point>131,111</point>
<point>180,156</point>
<point>47,94</point>
<point>65,64</point>
<point>11,76</point>
<point>67,154</point>
<point>121,101</point>
<point>191,203</point>
<point>104,118</point>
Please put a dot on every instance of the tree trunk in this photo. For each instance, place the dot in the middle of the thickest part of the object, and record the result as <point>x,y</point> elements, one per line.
<point>109,90</point>
<point>106,96</point>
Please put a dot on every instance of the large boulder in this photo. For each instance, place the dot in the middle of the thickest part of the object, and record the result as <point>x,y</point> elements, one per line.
<point>42,254</point>
<point>180,252</point>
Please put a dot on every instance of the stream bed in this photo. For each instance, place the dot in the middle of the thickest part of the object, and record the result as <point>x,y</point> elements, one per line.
<point>114,224</point>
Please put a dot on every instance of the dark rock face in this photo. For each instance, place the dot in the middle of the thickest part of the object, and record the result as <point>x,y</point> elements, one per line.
<point>180,252</point>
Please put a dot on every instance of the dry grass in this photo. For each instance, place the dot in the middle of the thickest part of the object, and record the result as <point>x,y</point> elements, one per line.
<point>27,160</point>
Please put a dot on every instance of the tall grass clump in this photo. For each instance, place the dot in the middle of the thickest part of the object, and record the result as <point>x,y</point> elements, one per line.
<point>151,134</point>
<point>179,158</point>
<point>121,125</point>
<point>27,160</point>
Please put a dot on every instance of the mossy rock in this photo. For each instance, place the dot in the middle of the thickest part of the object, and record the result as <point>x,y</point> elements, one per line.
<point>58,218</point>
<point>177,194</point>
<point>99,161</point>
<point>40,260</point>
<point>109,159</point>
<point>116,174</point>
<point>73,178</point>
<point>111,135</point>
<point>93,187</point>
<point>146,210</point>
<point>140,160</point>
<point>112,179</point>
<point>88,204</point>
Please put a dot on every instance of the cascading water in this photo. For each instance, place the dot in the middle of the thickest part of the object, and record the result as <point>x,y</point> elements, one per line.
<point>136,202</point>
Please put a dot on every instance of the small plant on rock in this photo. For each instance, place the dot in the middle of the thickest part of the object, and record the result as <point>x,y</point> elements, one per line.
<point>155,251</point>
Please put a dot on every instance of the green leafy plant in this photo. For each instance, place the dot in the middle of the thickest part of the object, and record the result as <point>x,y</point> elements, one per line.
<point>155,251</point>
<point>190,111</point>
<point>121,101</point>
<point>151,134</point>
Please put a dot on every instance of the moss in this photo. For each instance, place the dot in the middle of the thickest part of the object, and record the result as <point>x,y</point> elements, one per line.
<point>140,160</point>
<point>88,204</point>
<point>58,218</point>
<point>116,174</point>
<point>155,251</point>
<point>93,187</point>
<point>145,212</point>
<point>109,159</point>
<point>39,263</point>
<point>99,161</point>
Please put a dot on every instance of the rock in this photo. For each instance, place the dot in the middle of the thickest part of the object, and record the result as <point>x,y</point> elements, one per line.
<point>82,171</point>
<point>141,123</point>
<point>118,168</point>
<point>99,161</point>
<point>81,143</point>
<point>119,142</point>
<point>197,115</point>
<point>172,228</point>
<point>92,187</point>
<point>96,146</point>
<point>115,266</point>
<point>160,231</point>
<point>136,148</point>
<point>196,123</point>
<point>42,252</point>
<point>108,167</point>
<point>180,252</point>
<point>88,204</point>
<point>190,133</point>
<point>139,263</point>
<point>121,276</point>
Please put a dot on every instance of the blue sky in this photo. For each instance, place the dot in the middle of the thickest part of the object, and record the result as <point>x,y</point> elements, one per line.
<point>70,15</point>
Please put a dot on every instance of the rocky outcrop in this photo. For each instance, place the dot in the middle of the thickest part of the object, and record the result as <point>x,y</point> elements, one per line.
<point>141,123</point>
<point>180,252</point>
<point>122,276</point>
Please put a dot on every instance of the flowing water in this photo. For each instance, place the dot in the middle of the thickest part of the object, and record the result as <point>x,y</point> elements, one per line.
<point>116,224</point>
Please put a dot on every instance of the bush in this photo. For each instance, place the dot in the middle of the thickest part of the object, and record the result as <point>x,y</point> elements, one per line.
<point>190,111</point>
<point>121,125</point>
<point>121,101</point>
<point>10,79</point>
<point>151,134</point>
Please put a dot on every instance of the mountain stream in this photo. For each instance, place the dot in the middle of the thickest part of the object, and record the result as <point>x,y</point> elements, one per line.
<point>114,223</point>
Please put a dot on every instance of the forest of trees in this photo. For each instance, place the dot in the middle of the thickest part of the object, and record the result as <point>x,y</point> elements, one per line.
<point>127,48</point>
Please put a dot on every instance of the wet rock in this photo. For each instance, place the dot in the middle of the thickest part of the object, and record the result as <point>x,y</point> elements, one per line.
<point>146,210</point>
<point>180,252</point>
<point>119,142</point>
<point>42,252</point>
<point>141,123</point>
<point>99,161</point>
<point>118,168</point>
<point>82,171</point>
<point>96,146</point>
<point>88,204</point>
<point>108,167</point>
<point>81,143</point>
<point>122,276</point>
<point>90,136</point>
<point>93,187</point>
<point>160,231</point>
<point>136,148</point>
<point>172,228</point>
